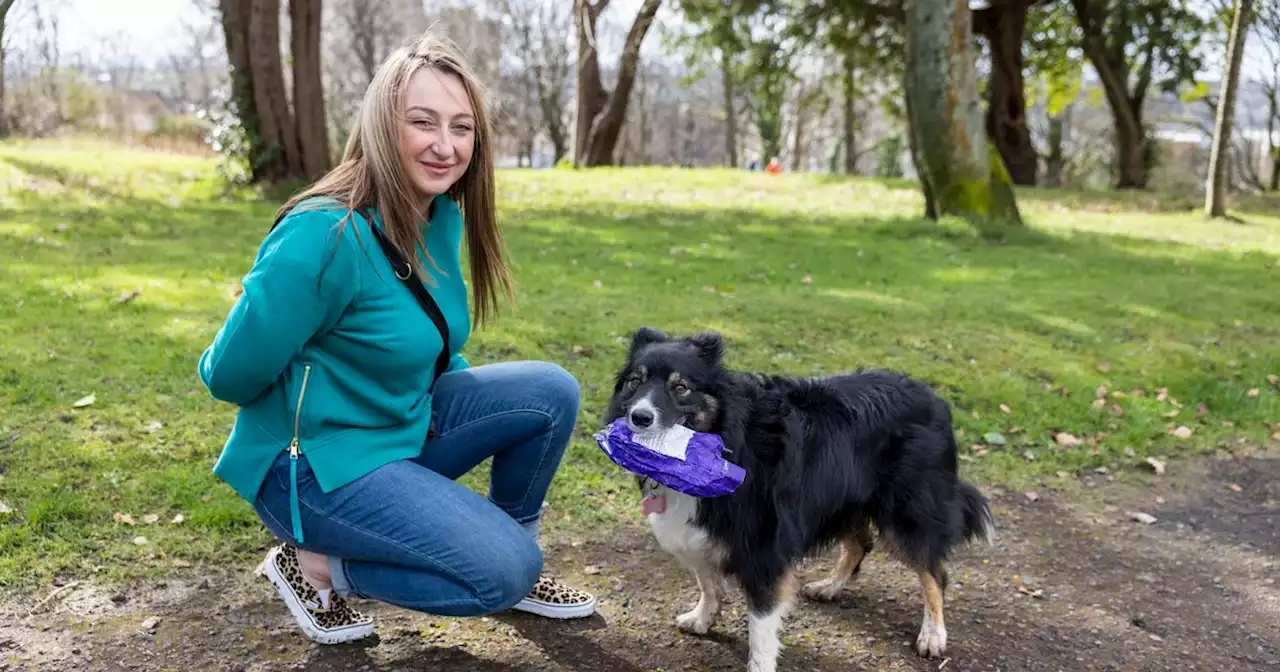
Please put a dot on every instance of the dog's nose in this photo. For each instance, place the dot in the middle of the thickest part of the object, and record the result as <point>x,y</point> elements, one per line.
<point>642,417</point>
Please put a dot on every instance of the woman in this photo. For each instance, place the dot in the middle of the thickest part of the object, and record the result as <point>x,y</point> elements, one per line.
<point>355,415</point>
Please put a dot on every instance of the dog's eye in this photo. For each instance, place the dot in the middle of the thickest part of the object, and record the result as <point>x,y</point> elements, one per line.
<point>680,389</point>
<point>631,383</point>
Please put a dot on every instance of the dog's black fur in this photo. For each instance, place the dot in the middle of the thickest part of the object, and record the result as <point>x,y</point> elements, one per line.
<point>825,458</point>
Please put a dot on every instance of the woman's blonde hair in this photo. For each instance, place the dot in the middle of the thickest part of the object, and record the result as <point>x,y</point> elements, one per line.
<point>371,173</point>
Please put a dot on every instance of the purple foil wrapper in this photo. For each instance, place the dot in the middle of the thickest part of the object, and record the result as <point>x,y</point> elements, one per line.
<point>702,473</point>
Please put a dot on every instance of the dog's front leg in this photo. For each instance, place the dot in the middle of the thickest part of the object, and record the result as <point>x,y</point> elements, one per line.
<point>703,616</point>
<point>766,609</point>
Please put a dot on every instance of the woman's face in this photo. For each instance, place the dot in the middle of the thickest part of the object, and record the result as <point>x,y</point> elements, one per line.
<point>438,136</point>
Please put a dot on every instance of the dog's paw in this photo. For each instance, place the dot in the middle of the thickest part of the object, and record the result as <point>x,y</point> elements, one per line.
<point>824,590</point>
<point>932,641</point>
<point>696,622</point>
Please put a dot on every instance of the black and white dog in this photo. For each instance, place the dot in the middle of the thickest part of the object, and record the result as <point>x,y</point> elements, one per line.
<point>827,459</point>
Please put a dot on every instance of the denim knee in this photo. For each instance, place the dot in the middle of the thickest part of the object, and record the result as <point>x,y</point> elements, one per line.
<point>512,573</point>
<point>559,389</point>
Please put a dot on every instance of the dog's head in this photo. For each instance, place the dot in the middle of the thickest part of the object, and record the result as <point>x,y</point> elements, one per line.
<point>668,381</point>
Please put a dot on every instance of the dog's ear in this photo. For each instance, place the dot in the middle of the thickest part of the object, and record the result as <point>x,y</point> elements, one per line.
<point>710,346</point>
<point>644,336</point>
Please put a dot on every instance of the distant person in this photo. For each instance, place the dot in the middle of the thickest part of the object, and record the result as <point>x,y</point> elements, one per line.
<point>774,166</point>
<point>355,419</point>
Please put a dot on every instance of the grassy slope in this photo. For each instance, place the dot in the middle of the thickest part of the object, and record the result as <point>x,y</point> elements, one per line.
<point>1105,291</point>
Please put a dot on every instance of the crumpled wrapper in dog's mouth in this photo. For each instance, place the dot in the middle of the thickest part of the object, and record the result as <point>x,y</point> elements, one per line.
<point>679,458</point>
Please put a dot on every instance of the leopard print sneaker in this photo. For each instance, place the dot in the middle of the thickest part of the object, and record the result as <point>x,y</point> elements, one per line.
<point>323,617</point>
<point>552,599</point>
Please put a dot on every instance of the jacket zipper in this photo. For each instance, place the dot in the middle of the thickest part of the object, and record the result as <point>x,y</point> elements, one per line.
<point>293,459</point>
<point>297,412</point>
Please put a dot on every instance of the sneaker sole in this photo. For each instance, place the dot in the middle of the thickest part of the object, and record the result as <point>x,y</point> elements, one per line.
<point>350,633</point>
<point>558,611</point>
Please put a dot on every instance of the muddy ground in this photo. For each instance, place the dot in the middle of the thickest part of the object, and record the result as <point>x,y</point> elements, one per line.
<point>1195,590</point>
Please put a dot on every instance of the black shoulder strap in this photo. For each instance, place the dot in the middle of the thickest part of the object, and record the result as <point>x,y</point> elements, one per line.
<point>404,271</point>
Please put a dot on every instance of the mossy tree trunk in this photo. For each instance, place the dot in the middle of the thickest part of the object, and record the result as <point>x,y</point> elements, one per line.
<point>961,171</point>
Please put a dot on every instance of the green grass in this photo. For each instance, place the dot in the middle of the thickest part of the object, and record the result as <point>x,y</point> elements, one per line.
<point>1133,293</point>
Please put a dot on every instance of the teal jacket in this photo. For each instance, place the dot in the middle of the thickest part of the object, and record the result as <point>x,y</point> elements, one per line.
<point>328,354</point>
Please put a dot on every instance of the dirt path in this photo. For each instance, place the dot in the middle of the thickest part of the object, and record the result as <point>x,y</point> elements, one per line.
<point>1196,590</point>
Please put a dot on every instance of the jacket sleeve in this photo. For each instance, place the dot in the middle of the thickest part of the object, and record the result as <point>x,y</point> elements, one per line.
<point>457,363</point>
<point>304,276</point>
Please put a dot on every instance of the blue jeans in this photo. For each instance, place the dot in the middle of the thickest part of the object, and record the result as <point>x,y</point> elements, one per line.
<point>408,534</point>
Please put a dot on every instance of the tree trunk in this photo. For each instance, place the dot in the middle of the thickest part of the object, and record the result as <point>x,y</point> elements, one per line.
<point>730,111</point>
<point>1216,191</point>
<point>235,31</point>
<point>278,133</point>
<point>5,5</point>
<point>801,124</point>
<point>1055,161</point>
<point>591,94</point>
<point>308,87</point>
<point>601,115</point>
<point>1004,25</point>
<point>1126,107</point>
<point>962,170</point>
<point>848,118</point>
<point>1273,115</point>
<point>1130,146</point>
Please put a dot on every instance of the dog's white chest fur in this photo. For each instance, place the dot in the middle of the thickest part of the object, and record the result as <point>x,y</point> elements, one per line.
<point>673,528</point>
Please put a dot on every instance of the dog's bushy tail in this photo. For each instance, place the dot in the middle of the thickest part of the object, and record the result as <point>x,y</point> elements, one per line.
<point>978,523</point>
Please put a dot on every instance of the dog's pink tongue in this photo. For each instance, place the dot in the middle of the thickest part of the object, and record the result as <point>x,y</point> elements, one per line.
<point>654,504</point>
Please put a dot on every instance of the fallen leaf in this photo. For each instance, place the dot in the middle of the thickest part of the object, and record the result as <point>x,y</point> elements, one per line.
<point>1273,379</point>
<point>84,401</point>
<point>1029,456</point>
<point>150,519</point>
<point>1170,414</point>
<point>597,284</point>
<point>1100,392</point>
<point>1182,432</point>
<point>590,570</point>
<point>155,426</point>
<point>807,279</point>
<point>1162,393</point>
<point>1005,408</point>
<point>151,623</point>
<point>4,508</point>
<point>1202,410</point>
<point>1064,474</point>
<point>1144,518</point>
<point>126,297</point>
<point>1157,465</point>
<point>1032,496</point>
<point>1159,500</point>
<point>1104,367</point>
<point>177,520</point>
<point>181,564</point>
<point>1235,487</point>
<point>1022,588</point>
<point>994,438</point>
<point>124,518</point>
<point>140,541</point>
<point>1099,403</point>
<point>1253,393</point>
<point>1065,439</point>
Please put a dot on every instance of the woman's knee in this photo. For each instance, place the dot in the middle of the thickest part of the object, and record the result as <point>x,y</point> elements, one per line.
<point>513,568</point>
<point>558,388</point>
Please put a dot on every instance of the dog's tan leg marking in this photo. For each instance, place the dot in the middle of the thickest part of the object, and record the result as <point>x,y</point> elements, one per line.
<point>763,629</point>
<point>932,641</point>
<point>852,551</point>
<point>700,619</point>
